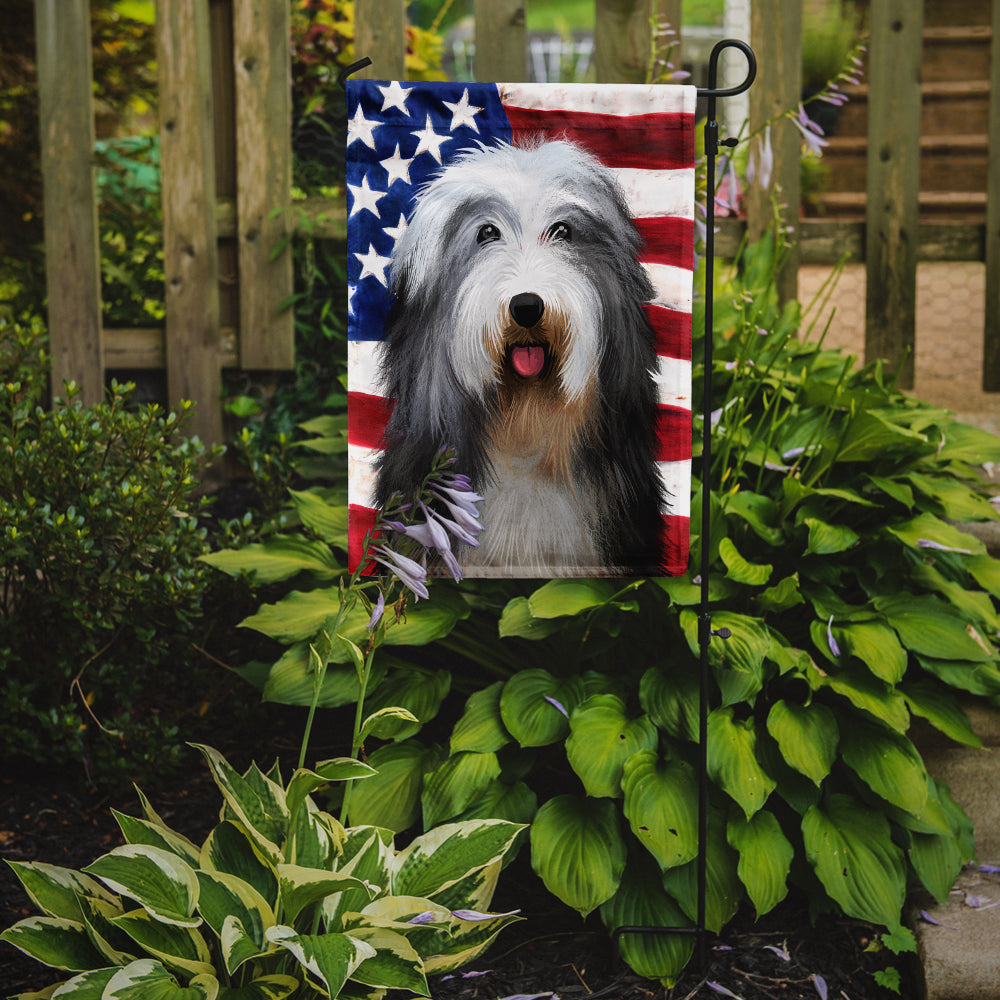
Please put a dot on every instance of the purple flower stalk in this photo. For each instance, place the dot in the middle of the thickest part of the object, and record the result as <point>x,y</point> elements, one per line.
<point>811,132</point>
<point>411,573</point>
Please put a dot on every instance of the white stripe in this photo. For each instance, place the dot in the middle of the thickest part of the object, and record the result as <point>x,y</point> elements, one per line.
<point>605,99</point>
<point>363,367</point>
<point>657,192</point>
<point>671,285</point>
<point>673,382</point>
<point>361,475</point>
<point>676,480</point>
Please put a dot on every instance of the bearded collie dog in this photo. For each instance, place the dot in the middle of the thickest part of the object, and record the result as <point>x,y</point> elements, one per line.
<point>517,336</point>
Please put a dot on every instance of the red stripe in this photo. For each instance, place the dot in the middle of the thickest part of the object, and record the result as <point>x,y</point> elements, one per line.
<point>674,539</point>
<point>673,331</point>
<point>653,142</point>
<point>367,416</point>
<point>360,520</point>
<point>673,434</point>
<point>667,240</point>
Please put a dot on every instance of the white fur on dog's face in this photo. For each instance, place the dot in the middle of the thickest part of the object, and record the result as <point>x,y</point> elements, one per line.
<point>524,193</point>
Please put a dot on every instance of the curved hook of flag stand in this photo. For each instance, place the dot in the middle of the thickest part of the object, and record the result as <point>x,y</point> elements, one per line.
<point>705,631</point>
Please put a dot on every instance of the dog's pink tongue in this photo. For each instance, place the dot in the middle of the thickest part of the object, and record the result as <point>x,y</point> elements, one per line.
<point>527,361</point>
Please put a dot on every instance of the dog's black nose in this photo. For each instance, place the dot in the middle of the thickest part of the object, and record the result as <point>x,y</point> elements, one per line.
<point>526,308</point>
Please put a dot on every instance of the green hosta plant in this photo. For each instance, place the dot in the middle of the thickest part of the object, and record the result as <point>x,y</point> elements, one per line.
<point>279,900</point>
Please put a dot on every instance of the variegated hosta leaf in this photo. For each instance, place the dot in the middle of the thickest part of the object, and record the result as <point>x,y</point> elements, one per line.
<point>366,855</point>
<point>147,979</point>
<point>807,736</point>
<point>661,799</point>
<point>225,897</point>
<point>315,838</point>
<point>467,940</point>
<point>475,891</point>
<point>275,987</point>
<point>256,801</point>
<point>304,782</point>
<point>86,986</point>
<point>177,947</point>
<point>56,891</point>
<point>732,760</point>
<point>158,880</point>
<point>329,959</point>
<point>602,737</point>
<point>238,945</point>
<point>642,902</point>
<point>481,727</point>
<point>230,849</point>
<point>441,857</point>
<point>300,887</point>
<point>395,964</point>
<point>765,858</point>
<point>116,946</point>
<point>141,831</point>
<point>850,847</point>
<point>578,851</point>
<point>54,941</point>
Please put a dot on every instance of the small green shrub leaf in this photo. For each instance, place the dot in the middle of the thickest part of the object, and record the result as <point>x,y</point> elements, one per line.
<point>640,901</point>
<point>661,799</point>
<point>850,848</point>
<point>329,958</point>
<point>739,569</point>
<point>147,979</point>
<point>732,760</point>
<point>164,885</point>
<point>385,723</point>
<point>55,941</point>
<point>304,782</point>
<point>888,763</point>
<point>577,850</point>
<point>456,785</point>
<point>481,727</point>
<point>765,858</point>
<point>864,691</point>
<point>225,896</point>
<point>807,736</point>
<point>601,739</point>
<point>535,706</point>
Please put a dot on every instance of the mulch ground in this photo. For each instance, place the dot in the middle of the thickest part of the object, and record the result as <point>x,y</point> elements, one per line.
<point>551,953</point>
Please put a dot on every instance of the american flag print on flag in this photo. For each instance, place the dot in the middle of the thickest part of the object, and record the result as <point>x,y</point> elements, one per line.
<point>520,284</point>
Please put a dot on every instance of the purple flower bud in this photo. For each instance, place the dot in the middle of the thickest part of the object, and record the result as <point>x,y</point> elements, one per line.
<point>834,648</point>
<point>820,983</point>
<point>927,543</point>
<point>427,917</point>
<point>377,611</point>
<point>411,573</point>
<point>475,915</point>
<point>558,705</point>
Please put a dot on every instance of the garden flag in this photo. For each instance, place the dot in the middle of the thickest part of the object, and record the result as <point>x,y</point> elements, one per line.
<point>520,276</point>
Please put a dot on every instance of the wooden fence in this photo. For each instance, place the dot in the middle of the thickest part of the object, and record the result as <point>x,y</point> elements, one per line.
<point>226,160</point>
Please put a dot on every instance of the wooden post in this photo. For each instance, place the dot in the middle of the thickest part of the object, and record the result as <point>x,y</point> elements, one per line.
<point>622,40</point>
<point>190,254</point>
<point>72,255</point>
<point>893,183</point>
<point>501,41</point>
<point>991,333</point>
<point>262,60</point>
<point>776,35</point>
<point>380,34</point>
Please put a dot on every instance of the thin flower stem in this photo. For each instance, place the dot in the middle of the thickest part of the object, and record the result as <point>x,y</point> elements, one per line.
<point>356,738</point>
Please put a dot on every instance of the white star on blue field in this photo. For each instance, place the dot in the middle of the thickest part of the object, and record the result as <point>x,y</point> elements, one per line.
<point>398,136</point>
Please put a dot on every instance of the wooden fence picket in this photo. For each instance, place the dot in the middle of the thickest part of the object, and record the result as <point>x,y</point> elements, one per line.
<point>991,331</point>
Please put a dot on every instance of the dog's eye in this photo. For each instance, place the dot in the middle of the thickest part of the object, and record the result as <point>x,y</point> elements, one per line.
<point>560,231</point>
<point>488,233</point>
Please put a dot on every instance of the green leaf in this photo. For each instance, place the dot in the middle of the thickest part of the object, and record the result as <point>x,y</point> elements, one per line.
<point>395,964</point>
<point>559,598</point>
<point>456,784</point>
<point>225,897</point>
<point>601,739</point>
<point>850,848</point>
<point>965,443</point>
<point>864,692</point>
<point>528,714</point>
<point>738,569</point>
<point>765,858</point>
<point>304,782</point>
<point>141,831</point>
<point>876,646</point>
<point>888,763</point>
<point>870,436</point>
<point>807,736</point>
<point>181,948</point>
<point>230,849</point>
<point>986,571</point>
<point>927,527</point>
<point>516,803</point>
<point>578,851</point>
<point>391,798</point>
<point>415,689</point>
<point>941,709</point>
<point>328,521</point>
<point>330,959</point>
<point>976,678</point>
<point>732,760</point>
<point>661,798</point>
<point>440,858</point>
<point>279,558</point>
<point>56,891</point>
<point>517,620</point>
<point>957,501</point>
<point>385,723</point>
<point>760,512</point>
<point>738,661</point>
<point>932,628</point>
<point>292,680</point>
<point>163,884</point>
<point>54,941</point>
<point>86,986</point>
<point>147,979</point>
<point>301,887</point>
<point>671,700</point>
<point>893,488</point>
<point>640,901</point>
<point>783,595</point>
<point>481,727</point>
<point>275,987</point>
<point>828,539</point>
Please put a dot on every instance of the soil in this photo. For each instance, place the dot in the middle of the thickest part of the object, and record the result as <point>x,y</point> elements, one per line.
<point>551,952</point>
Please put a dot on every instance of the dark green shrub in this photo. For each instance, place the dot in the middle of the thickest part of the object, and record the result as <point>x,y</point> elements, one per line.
<point>100,583</point>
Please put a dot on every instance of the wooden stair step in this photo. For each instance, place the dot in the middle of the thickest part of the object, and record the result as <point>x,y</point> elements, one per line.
<point>958,205</point>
